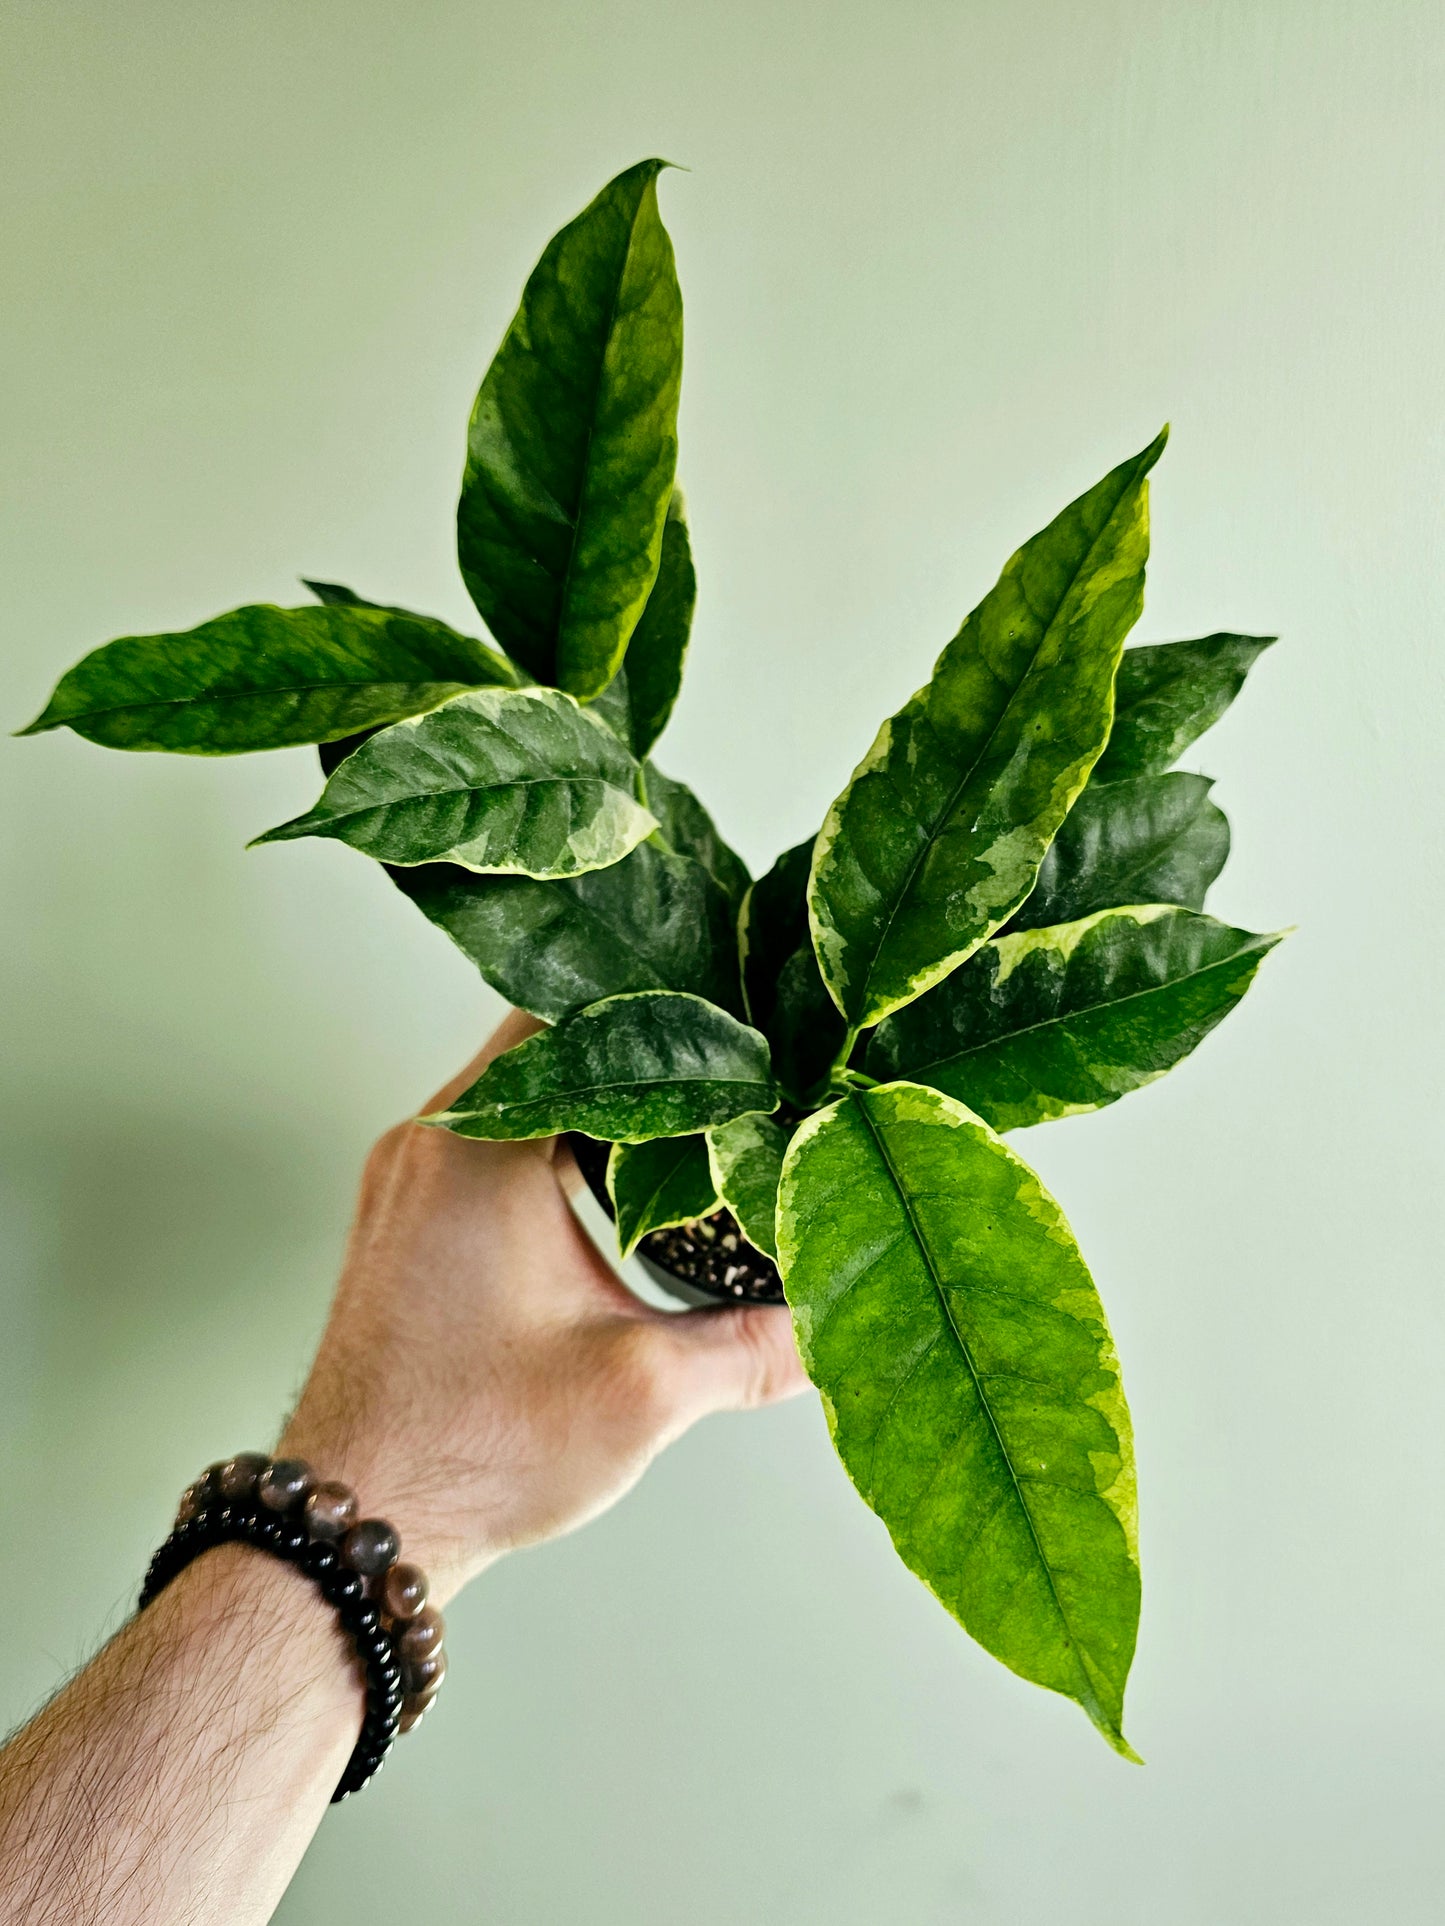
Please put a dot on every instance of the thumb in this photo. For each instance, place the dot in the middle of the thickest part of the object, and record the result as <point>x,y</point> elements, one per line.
<point>736,1358</point>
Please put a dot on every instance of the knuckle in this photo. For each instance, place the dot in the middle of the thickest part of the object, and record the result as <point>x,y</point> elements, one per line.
<point>758,1332</point>
<point>384,1158</point>
<point>645,1371</point>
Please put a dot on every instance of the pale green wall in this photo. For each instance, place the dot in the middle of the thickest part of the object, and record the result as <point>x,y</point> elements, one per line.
<point>944,261</point>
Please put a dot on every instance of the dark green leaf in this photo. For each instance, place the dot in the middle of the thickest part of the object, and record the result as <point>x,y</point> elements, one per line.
<point>654,921</point>
<point>687,827</point>
<point>746,1159</point>
<point>772,924</point>
<point>573,443</point>
<point>337,596</point>
<point>1155,839</point>
<point>628,1069</point>
<point>665,1181</point>
<point>638,700</point>
<point>1168,694</point>
<point>266,678</point>
<point>805,1031</point>
<point>943,1310</point>
<point>1055,1021</point>
<point>509,781</point>
<point>787,998</point>
<point>938,837</point>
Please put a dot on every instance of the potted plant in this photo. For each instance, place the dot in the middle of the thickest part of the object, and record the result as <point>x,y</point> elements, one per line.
<point>799,1084</point>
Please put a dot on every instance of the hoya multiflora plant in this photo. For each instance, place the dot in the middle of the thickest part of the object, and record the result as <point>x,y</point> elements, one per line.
<point>999,922</point>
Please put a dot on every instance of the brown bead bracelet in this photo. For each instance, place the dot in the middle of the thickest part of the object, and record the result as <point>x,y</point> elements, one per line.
<point>278,1505</point>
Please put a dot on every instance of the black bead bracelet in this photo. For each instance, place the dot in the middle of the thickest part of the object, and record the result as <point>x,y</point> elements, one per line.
<point>278,1505</point>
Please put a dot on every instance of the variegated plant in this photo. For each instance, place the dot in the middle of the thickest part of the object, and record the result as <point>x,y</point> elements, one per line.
<point>1000,922</point>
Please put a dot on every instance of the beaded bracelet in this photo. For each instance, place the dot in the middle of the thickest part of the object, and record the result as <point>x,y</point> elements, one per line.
<point>278,1505</point>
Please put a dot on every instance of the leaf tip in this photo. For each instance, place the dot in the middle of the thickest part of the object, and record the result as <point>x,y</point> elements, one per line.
<point>282,833</point>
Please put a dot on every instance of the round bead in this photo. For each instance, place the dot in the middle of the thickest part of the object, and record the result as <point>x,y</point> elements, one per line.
<point>267,1529</point>
<point>366,1623</point>
<point>236,1477</point>
<point>349,1611</point>
<point>370,1547</point>
<point>318,1560</point>
<point>208,1484</point>
<point>291,1539</point>
<point>190,1504</point>
<point>413,1714</point>
<point>331,1510</point>
<point>341,1586</point>
<point>285,1484</point>
<point>423,1635</point>
<point>424,1675</point>
<point>375,1651</point>
<point>403,1592</point>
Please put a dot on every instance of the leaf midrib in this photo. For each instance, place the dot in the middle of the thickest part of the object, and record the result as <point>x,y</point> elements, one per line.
<point>271,695</point>
<point>947,812</point>
<point>1088,1696</point>
<point>565,587</point>
<point>500,1104</point>
<point>1091,1009</point>
<point>476,789</point>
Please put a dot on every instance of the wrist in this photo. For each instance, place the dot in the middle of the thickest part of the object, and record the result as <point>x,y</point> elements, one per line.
<point>279,1506</point>
<point>268,1616</point>
<point>409,1484</point>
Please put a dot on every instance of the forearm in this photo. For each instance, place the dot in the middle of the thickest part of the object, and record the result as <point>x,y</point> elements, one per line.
<point>181,1775</point>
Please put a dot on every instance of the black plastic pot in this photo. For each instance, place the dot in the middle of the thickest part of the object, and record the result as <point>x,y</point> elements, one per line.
<point>710,1259</point>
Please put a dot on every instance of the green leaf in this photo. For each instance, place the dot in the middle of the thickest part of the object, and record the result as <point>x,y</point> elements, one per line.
<point>652,1185</point>
<point>1155,839</point>
<point>786,995</point>
<point>772,924</point>
<point>573,443</point>
<point>943,1310</point>
<point>746,1158</point>
<point>805,1032</point>
<point>509,781</point>
<point>639,699</point>
<point>1055,1021</point>
<point>654,921</point>
<point>266,678</point>
<point>785,992</point>
<point>937,839</point>
<point>337,596</point>
<point>1168,694</point>
<point>628,1069</point>
<point>687,827</point>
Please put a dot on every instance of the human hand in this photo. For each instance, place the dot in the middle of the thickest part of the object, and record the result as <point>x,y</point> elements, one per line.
<point>485,1381</point>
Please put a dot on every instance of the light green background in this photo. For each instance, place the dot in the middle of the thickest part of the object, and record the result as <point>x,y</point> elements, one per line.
<point>943,264</point>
